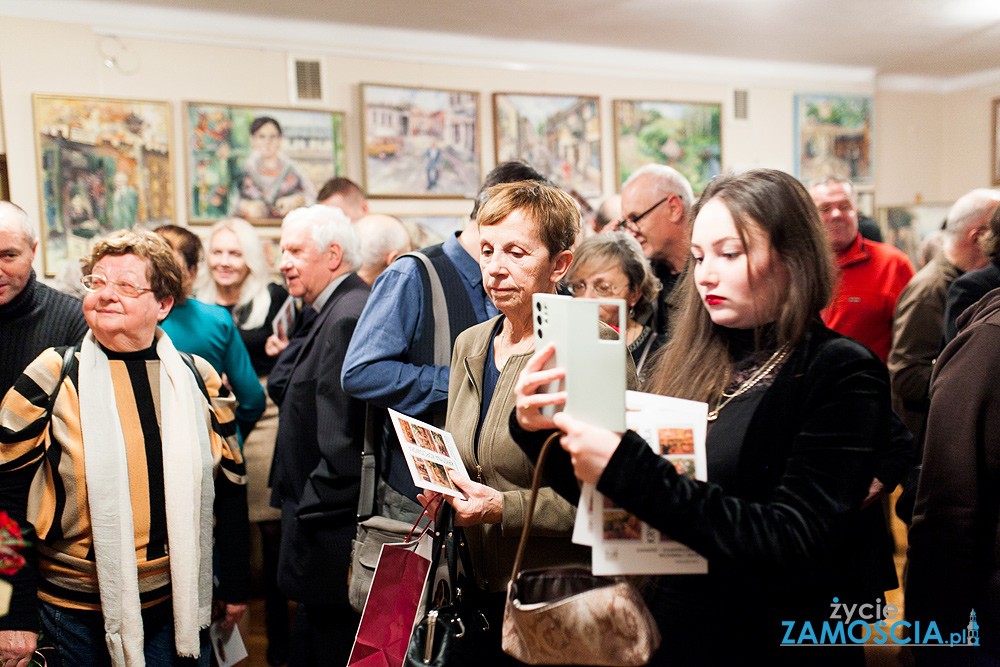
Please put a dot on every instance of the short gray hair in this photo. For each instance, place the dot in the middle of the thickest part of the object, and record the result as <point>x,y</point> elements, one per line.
<point>328,224</point>
<point>668,181</point>
<point>969,208</point>
<point>11,211</point>
<point>380,235</point>
<point>835,180</point>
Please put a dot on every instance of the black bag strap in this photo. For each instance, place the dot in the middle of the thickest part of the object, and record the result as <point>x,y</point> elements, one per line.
<point>69,354</point>
<point>369,463</point>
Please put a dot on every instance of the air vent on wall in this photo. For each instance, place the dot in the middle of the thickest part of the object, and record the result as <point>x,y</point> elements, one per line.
<point>306,80</point>
<point>741,110</point>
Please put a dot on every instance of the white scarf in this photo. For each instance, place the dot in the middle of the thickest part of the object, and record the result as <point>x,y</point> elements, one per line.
<point>189,497</point>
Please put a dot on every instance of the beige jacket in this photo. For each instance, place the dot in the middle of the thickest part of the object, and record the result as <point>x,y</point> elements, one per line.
<point>503,466</point>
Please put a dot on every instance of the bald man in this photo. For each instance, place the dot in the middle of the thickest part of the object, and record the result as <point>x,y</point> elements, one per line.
<point>383,239</point>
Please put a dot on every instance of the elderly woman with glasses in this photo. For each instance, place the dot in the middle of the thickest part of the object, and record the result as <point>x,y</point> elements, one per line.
<point>121,461</point>
<point>611,266</point>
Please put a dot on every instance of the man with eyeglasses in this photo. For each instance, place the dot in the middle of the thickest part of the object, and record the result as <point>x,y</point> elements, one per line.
<point>33,317</point>
<point>656,200</point>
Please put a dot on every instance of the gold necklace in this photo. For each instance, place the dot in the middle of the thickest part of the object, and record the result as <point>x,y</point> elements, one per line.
<point>511,347</point>
<point>751,382</point>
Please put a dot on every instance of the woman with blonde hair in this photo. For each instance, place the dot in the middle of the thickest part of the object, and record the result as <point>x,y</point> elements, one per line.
<point>239,279</point>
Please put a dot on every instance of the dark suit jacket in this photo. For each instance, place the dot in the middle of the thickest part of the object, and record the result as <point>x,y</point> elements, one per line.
<point>316,470</point>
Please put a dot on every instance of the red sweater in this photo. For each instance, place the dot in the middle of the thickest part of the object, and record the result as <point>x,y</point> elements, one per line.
<point>871,277</point>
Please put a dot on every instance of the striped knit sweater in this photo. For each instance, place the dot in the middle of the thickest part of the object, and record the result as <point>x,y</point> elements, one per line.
<point>43,482</point>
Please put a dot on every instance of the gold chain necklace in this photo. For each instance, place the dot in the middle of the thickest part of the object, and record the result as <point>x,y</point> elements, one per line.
<point>751,382</point>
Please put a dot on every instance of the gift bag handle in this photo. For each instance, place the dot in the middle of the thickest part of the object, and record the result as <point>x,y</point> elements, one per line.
<point>536,483</point>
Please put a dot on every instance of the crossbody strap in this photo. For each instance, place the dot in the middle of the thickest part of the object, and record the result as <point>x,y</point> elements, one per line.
<point>536,483</point>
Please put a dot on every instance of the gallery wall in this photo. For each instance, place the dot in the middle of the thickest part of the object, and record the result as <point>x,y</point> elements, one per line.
<point>928,145</point>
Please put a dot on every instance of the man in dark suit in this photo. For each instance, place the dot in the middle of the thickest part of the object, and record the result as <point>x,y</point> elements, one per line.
<point>316,470</point>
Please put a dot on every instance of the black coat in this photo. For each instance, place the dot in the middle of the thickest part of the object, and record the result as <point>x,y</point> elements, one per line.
<point>789,534</point>
<point>316,470</point>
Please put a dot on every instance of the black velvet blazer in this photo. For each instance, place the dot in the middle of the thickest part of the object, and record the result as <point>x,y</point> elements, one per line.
<point>793,527</point>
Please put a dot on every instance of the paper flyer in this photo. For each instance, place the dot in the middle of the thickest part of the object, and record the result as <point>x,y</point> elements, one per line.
<point>228,646</point>
<point>430,453</point>
<point>622,544</point>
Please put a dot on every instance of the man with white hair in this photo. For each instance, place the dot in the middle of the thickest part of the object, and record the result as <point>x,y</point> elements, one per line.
<point>383,239</point>
<point>33,317</point>
<point>656,202</point>
<point>970,287</point>
<point>919,321</point>
<point>316,471</point>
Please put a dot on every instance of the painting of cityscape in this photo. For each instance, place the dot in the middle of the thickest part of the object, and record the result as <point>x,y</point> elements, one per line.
<point>558,135</point>
<point>258,163</point>
<point>684,135</point>
<point>833,137</point>
<point>420,142</point>
<point>103,165</point>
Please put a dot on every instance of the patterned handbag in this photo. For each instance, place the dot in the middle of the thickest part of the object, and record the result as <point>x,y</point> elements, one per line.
<point>568,616</point>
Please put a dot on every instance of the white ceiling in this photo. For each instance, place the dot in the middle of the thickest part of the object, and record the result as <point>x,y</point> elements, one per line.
<point>927,38</point>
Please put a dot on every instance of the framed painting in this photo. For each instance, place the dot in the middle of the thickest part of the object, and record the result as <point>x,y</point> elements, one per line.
<point>833,137</point>
<point>258,163</point>
<point>907,226</point>
<point>103,164</point>
<point>684,135</point>
<point>995,155</point>
<point>420,142</point>
<point>429,229</point>
<point>558,135</point>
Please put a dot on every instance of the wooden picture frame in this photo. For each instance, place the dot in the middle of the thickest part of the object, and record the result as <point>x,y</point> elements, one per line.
<point>227,175</point>
<point>427,229</point>
<point>995,154</point>
<point>419,142</point>
<point>559,135</point>
<point>834,137</point>
<point>684,135</point>
<point>103,164</point>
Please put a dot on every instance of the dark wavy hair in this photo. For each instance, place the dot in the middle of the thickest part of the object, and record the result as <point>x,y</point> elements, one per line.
<point>765,204</point>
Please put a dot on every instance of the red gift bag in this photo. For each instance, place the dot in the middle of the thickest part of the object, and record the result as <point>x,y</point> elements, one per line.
<point>391,608</point>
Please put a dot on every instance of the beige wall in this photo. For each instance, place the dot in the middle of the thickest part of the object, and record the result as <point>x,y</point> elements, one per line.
<point>932,145</point>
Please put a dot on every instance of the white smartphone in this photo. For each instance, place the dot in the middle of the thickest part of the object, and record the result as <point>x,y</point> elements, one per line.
<point>595,367</point>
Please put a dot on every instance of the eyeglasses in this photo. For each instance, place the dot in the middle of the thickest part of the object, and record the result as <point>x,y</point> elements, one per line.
<point>600,288</point>
<point>632,224</point>
<point>96,283</point>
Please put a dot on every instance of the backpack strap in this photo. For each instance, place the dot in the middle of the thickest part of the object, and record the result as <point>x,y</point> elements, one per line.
<point>439,306</point>
<point>189,360</point>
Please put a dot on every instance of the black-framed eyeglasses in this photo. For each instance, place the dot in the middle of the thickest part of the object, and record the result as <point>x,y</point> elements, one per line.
<point>95,283</point>
<point>632,224</point>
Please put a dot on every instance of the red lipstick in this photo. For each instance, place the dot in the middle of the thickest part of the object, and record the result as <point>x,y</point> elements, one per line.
<point>713,300</point>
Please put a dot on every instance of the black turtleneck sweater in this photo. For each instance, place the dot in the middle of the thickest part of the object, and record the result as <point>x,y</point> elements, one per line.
<point>37,318</point>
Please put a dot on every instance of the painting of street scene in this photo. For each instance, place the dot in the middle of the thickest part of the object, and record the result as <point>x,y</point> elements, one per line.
<point>684,135</point>
<point>258,163</point>
<point>559,136</point>
<point>104,165</point>
<point>420,142</point>
<point>833,137</point>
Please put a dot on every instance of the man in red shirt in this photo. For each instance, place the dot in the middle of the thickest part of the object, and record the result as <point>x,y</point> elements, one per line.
<point>871,274</point>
